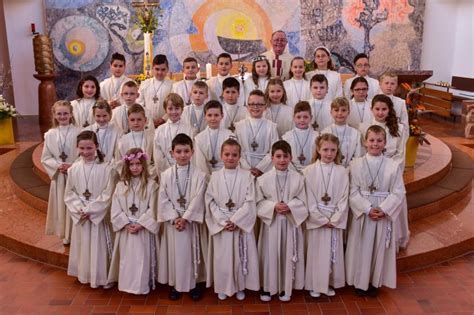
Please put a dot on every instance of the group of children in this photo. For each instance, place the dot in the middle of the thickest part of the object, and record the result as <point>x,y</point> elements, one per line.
<point>241,185</point>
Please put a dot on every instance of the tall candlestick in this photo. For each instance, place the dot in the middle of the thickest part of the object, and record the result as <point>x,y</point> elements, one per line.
<point>33,28</point>
<point>208,70</point>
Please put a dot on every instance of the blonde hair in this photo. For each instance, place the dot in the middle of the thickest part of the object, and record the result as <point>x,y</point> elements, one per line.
<point>175,99</point>
<point>327,137</point>
<point>126,176</point>
<point>388,74</point>
<point>62,103</point>
<point>275,81</point>
<point>340,102</point>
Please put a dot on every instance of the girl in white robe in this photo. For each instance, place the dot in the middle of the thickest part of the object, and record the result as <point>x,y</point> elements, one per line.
<point>88,92</point>
<point>230,217</point>
<point>327,190</point>
<point>59,152</point>
<point>360,104</point>
<point>396,138</point>
<point>277,110</point>
<point>297,87</point>
<point>88,194</point>
<point>107,133</point>
<point>282,209</point>
<point>261,74</point>
<point>376,192</point>
<point>133,218</point>
<point>181,210</point>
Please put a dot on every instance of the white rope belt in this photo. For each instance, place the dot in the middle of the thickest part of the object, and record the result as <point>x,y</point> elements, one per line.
<point>381,194</point>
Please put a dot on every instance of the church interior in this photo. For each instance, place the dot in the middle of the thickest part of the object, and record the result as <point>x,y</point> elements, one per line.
<point>47,46</point>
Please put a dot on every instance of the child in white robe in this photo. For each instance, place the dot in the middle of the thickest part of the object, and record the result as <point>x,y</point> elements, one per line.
<point>224,65</point>
<point>230,217</point>
<point>59,152</point>
<point>107,133</point>
<point>193,115</point>
<point>360,108</point>
<point>297,87</point>
<point>362,67</point>
<point>110,87</point>
<point>129,94</point>
<point>327,191</point>
<point>349,137</point>
<point>376,191</point>
<point>153,91</point>
<point>302,138</point>
<point>256,136</point>
<point>183,87</point>
<point>388,85</point>
<point>89,188</point>
<point>261,74</point>
<point>277,109</point>
<point>323,65</point>
<point>281,207</point>
<point>234,111</point>
<point>133,217</point>
<point>320,107</point>
<point>138,137</point>
<point>181,208</point>
<point>165,133</point>
<point>88,92</point>
<point>209,141</point>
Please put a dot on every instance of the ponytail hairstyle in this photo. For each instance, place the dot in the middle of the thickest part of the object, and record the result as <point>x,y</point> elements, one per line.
<point>391,121</point>
<point>132,154</point>
<point>319,142</point>
<point>62,103</point>
<point>275,81</point>
<point>90,135</point>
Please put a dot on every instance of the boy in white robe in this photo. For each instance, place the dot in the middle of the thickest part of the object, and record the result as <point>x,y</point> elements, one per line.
<point>230,217</point>
<point>89,188</point>
<point>110,87</point>
<point>234,111</point>
<point>349,137</point>
<point>362,67</point>
<point>376,192</point>
<point>193,115</point>
<point>281,208</point>
<point>256,136</point>
<point>181,210</point>
<point>327,191</point>
<point>133,217</point>
<point>59,152</point>
<point>129,94</point>
<point>153,91</point>
<point>302,138</point>
<point>388,85</point>
<point>208,143</point>
<point>320,107</point>
<point>166,132</point>
<point>138,137</point>
<point>224,65</point>
<point>183,87</point>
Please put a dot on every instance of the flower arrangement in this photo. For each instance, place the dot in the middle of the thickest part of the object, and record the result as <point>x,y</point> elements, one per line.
<point>413,107</point>
<point>146,20</point>
<point>142,77</point>
<point>6,110</point>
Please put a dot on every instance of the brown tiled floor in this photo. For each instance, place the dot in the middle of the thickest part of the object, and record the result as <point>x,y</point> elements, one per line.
<point>28,287</point>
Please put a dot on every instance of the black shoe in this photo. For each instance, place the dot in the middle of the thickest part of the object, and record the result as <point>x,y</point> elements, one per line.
<point>174,295</point>
<point>360,292</point>
<point>372,291</point>
<point>196,294</point>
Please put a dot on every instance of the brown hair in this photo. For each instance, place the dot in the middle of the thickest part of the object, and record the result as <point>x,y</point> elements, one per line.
<point>102,104</point>
<point>213,104</point>
<point>330,138</point>
<point>229,143</point>
<point>391,121</point>
<point>321,78</point>
<point>175,99</point>
<point>330,64</point>
<point>291,65</point>
<point>79,92</point>
<point>90,135</point>
<point>126,176</point>
<point>135,109</point>
<point>358,80</point>
<point>281,145</point>
<point>254,71</point>
<point>275,81</point>
<point>130,84</point>
<point>200,85</point>
<point>57,104</point>
<point>189,59</point>
<point>181,139</point>
<point>302,106</point>
<point>377,130</point>
<point>340,102</point>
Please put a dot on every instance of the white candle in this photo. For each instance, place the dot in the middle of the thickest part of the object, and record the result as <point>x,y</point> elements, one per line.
<point>208,70</point>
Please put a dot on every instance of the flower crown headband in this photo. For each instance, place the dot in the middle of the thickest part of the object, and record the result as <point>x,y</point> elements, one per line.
<point>259,58</point>
<point>131,156</point>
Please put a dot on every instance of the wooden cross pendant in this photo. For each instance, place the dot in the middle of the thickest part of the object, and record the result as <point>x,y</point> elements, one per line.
<point>302,158</point>
<point>182,201</point>
<point>254,145</point>
<point>155,99</point>
<point>232,127</point>
<point>63,156</point>
<point>213,162</point>
<point>230,204</point>
<point>372,188</point>
<point>87,194</point>
<point>326,198</point>
<point>315,125</point>
<point>133,208</point>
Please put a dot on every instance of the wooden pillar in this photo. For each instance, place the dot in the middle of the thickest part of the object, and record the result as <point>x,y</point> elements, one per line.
<point>46,99</point>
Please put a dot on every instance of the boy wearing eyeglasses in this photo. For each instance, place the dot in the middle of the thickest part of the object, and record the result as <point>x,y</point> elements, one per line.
<point>362,67</point>
<point>256,135</point>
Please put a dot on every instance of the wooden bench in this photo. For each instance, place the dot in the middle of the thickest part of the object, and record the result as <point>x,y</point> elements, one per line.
<point>436,101</point>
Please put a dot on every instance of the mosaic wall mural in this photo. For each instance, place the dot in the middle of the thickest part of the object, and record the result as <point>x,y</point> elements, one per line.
<point>86,32</point>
